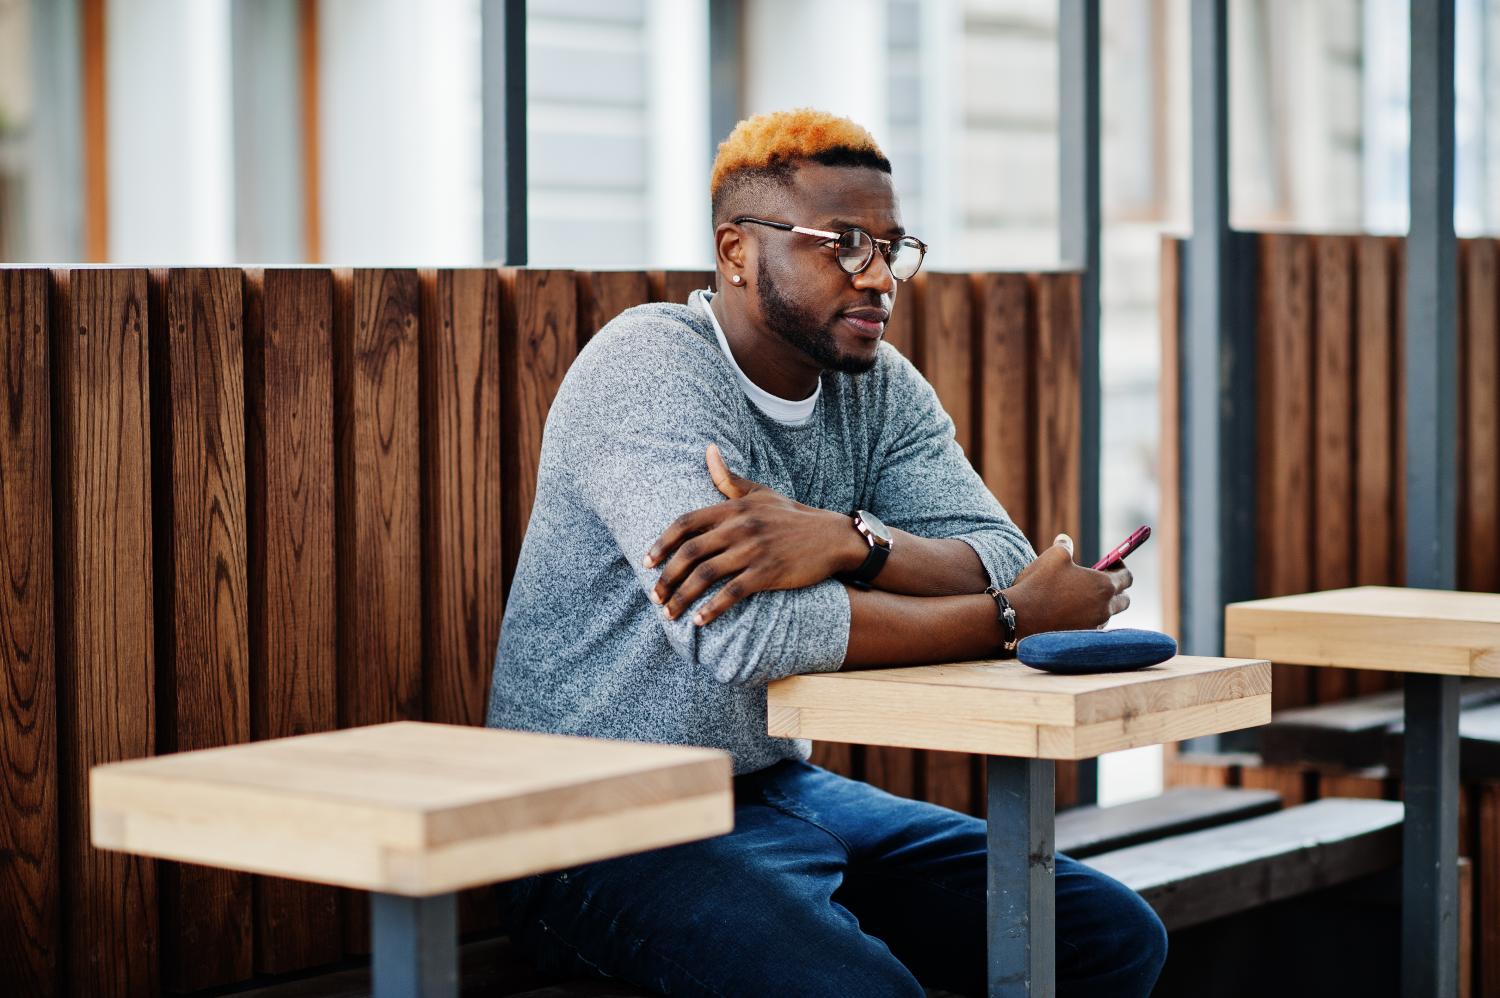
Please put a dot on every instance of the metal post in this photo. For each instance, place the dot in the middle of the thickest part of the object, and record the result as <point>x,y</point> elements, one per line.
<point>503,77</point>
<point>1217,376</point>
<point>1021,903</point>
<point>1080,218</point>
<point>1429,874</point>
<point>414,946</point>
<point>1429,910</point>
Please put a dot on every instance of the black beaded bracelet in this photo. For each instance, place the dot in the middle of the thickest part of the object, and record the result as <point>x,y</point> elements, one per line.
<point>1007,615</point>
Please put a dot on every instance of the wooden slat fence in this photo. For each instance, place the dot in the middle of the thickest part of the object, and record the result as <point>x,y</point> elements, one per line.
<point>1330,464</point>
<point>242,504</point>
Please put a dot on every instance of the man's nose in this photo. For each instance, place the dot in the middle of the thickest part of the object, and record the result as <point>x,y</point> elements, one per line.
<point>877,276</point>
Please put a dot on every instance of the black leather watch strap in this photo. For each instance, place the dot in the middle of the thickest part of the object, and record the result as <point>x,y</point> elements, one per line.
<point>866,572</point>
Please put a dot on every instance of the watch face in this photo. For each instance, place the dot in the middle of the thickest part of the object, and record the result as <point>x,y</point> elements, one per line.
<point>879,531</point>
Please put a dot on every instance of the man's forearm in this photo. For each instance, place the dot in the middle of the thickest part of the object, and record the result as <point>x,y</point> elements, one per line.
<point>922,566</point>
<point>888,629</point>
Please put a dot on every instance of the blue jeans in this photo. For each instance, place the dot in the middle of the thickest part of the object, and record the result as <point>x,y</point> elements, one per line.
<point>826,887</point>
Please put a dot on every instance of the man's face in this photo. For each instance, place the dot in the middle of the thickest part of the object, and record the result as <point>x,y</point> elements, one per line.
<point>804,296</point>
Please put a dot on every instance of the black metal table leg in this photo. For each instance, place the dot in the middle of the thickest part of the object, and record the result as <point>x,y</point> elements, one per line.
<point>414,946</point>
<point>1022,901</point>
<point>1429,874</point>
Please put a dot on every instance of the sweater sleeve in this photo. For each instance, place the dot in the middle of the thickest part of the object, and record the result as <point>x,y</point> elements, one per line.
<point>925,485</point>
<point>634,446</point>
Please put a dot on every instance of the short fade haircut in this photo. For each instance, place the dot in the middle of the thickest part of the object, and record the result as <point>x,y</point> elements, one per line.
<point>768,147</point>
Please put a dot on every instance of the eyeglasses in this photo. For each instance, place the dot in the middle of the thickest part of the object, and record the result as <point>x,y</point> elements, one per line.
<point>855,248</point>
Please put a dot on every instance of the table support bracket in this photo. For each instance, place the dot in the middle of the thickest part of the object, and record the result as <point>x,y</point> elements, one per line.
<point>414,946</point>
<point>1021,896</point>
<point>1429,874</point>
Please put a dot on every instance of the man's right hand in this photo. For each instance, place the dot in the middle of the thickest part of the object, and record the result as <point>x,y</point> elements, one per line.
<point>1055,594</point>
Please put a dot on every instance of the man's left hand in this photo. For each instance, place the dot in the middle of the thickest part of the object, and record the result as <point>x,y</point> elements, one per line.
<point>756,538</point>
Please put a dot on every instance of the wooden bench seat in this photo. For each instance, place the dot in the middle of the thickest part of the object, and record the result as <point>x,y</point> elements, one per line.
<point>1200,876</point>
<point>1091,829</point>
<point>1354,734</point>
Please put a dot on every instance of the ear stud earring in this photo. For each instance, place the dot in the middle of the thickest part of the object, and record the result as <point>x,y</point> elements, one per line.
<point>735,279</point>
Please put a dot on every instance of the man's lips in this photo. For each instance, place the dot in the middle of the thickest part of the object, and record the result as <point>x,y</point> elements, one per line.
<point>868,321</point>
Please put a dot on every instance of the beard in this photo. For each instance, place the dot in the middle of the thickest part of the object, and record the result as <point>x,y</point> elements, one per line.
<point>799,327</point>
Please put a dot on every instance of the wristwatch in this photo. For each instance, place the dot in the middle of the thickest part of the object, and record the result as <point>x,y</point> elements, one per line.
<point>878,535</point>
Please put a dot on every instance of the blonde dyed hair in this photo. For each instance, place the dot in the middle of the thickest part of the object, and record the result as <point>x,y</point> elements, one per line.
<point>769,147</point>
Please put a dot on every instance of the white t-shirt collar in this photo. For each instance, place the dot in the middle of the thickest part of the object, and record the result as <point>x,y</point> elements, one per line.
<point>785,411</point>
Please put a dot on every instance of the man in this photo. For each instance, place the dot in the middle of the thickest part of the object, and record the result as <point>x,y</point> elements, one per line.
<point>708,518</point>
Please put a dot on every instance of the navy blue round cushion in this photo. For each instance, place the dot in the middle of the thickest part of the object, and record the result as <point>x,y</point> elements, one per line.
<point>1095,651</point>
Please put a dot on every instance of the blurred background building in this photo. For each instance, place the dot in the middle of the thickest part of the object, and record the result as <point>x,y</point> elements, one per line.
<point>262,131</point>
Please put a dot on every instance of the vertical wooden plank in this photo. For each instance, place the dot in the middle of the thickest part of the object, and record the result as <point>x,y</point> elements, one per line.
<point>106,665</point>
<point>906,314</point>
<point>1169,453</point>
<point>379,576</point>
<point>1057,407</point>
<point>30,884</point>
<point>202,635</point>
<point>293,678</point>
<point>1479,463</point>
<point>461,523</point>
<point>1398,434</point>
<point>897,770</point>
<point>1003,386</point>
<point>1374,483</point>
<point>1284,385</point>
<point>1333,429</point>
<point>539,339</point>
<point>674,286</point>
<point>1487,886</point>
<point>604,294</point>
<point>947,353</point>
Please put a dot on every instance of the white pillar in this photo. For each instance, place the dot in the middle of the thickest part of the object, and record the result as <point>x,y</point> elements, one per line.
<point>678,152</point>
<point>827,54</point>
<point>171,164</point>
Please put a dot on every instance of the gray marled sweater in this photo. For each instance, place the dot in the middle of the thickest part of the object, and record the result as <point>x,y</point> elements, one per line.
<point>584,651</point>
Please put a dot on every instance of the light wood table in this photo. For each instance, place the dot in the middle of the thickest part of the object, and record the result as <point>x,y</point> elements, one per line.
<point>1433,637</point>
<point>1022,720</point>
<point>411,812</point>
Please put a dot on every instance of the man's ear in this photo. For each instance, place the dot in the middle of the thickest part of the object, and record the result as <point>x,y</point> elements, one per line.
<point>733,251</point>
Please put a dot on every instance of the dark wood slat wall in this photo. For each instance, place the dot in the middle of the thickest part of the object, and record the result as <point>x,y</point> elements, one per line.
<point>323,479</point>
<point>1003,392</point>
<point>1479,389</point>
<point>1284,528</point>
<point>947,352</point>
<point>379,576</point>
<point>106,667</point>
<point>604,294</point>
<point>294,680</point>
<point>202,635</point>
<point>539,339</point>
<point>1332,418</point>
<point>1169,453</point>
<point>30,884</point>
<point>463,568</point>
<point>1056,455</point>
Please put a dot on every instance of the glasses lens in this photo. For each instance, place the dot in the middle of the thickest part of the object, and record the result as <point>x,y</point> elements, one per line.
<point>906,258</point>
<point>855,248</point>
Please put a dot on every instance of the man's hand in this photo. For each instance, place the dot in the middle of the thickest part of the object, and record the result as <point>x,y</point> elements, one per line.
<point>757,538</point>
<point>1054,594</point>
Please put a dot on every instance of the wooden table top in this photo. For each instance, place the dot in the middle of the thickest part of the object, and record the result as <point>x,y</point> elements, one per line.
<point>1372,627</point>
<point>411,808</point>
<point>1006,708</point>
